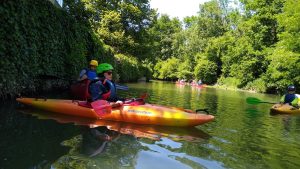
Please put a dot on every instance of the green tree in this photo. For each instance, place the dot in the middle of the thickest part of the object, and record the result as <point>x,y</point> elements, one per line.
<point>164,31</point>
<point>122,24</point>
<point>206,71</point>
<point>283,70</point>
<point>167,69</point>
<point>284,60</point>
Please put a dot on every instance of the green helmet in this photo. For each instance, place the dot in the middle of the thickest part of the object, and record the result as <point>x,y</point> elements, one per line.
<point>104,67</point>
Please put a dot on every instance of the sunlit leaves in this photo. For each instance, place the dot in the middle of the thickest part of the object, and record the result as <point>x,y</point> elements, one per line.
<point>284,69</point>
<point>166,69</point>
<point>206,71</point>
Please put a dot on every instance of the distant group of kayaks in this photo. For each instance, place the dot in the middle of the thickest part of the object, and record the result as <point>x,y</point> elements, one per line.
<point>194,85</point>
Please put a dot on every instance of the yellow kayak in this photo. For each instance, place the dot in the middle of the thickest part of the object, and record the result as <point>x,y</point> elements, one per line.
<point>284,109</point>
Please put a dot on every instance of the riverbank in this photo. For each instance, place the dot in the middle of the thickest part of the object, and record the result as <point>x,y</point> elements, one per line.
<point>222,87</point>
<point>230,88</point>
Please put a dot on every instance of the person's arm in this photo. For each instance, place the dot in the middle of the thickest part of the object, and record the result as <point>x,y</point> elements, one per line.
<point>295,102</point>
<point>83,78</point>
<point>82,75</point>
<point>95,91</point>
<point>282,99</point>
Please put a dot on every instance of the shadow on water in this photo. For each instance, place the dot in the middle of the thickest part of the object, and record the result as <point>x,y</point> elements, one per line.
<point>25,141</point>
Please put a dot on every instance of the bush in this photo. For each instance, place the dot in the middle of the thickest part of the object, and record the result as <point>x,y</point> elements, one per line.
<point>40,39</point>
<point>206,71</point>
<point>230,82</point>
<point>167,69</point>
<point>129,69</point>
<point>283,70</point>
<point>258,85</point>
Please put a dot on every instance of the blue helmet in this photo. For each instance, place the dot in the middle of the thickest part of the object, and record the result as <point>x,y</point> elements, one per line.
<point>291,88</point>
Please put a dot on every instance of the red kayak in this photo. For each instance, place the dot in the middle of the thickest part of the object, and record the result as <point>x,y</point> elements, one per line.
<point>199,86</point>
<point>80,91</point>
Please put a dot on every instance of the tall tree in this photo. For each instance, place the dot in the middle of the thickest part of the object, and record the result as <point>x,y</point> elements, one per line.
<point>122,24</point>
<point>164,32</point>
<point>284,59</point>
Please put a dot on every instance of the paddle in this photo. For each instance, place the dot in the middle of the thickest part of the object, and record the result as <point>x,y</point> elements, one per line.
<point>101,107</point>
<point>144,96</point>
<point>120,87</point>
<point>205,110</point>
<point>253,100</point>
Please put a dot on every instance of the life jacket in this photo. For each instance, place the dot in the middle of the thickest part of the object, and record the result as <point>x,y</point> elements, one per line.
<point>108,89</point>
<point>289,98</point>
<point>91,74</point>
<point>112,93</point>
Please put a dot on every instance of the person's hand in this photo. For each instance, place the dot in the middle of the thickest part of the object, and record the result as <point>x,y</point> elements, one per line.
<point>116,104</point>
<point>119,102</point>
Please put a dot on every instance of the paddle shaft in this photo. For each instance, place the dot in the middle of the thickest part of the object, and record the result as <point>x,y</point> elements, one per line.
<point>268,102</point>
<point>253,100</point>
<point>120,87</point>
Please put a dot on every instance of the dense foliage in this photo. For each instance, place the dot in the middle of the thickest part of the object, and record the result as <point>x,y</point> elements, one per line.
<point>252,45</point>
<point>40,40</point>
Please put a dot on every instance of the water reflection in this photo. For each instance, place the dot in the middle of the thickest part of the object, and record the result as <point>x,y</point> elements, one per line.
<point>286,119</point>
<point>152,132</point>
<point>117,144</point>
<point>242,135</point>
<point>95,140</point>
<point>29,143</point>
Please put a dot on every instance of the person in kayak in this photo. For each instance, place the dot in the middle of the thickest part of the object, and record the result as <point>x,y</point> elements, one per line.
<point>291,97</point>
<point>199,82</point>
<point>103,88</point>
<point>89,73</point>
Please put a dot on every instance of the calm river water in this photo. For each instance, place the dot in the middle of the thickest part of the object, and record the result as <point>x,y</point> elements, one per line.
<point>241,136</point>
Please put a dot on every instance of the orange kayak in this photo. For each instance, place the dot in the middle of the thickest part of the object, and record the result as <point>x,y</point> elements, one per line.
<point>132,113</point>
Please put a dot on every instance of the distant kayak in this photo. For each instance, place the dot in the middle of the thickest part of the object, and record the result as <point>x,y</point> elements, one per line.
<point>284,109</point>
<point>199,86</point>
<point>180,83</point>
<point>132,112</point>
